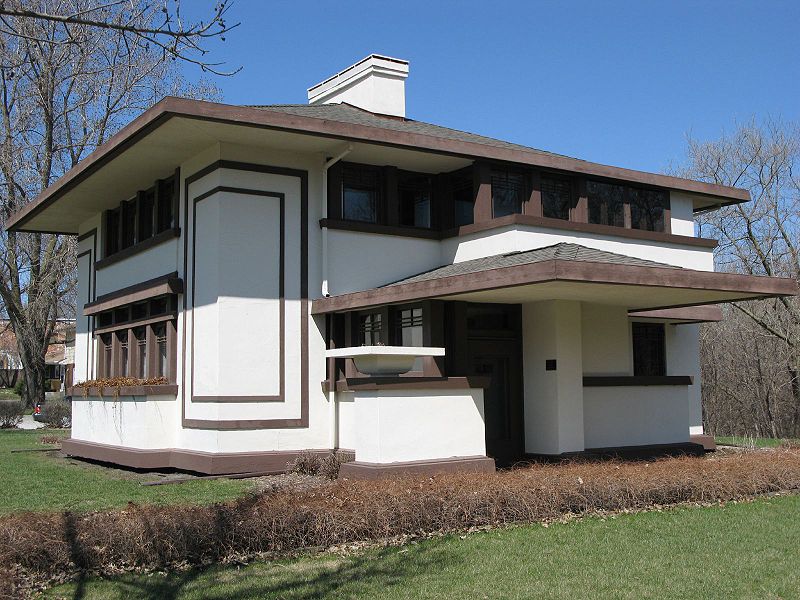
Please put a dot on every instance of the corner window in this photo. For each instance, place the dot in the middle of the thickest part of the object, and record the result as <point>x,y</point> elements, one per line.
<point>112,231</point>
<point>508,193</point>
<point>648,209</point>
<point>360,194</point>
<point>414,195</point>
<point>146,208</point>
<point>166,204</point>
<point>649,352</point>
<point>606,203</point>
<point>409,331</point>
<point>556,198</point>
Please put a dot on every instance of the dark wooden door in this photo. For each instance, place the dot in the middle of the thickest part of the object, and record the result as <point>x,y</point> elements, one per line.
<point>494,350</point>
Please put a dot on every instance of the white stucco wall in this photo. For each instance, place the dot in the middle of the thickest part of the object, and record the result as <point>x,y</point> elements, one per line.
<point>683,358</point>
<point>553,399</point>
<point>682,213</point>
<point>131,421</point>
<point>606,340</point>
<point>400,426</point>
<point>635,416</point>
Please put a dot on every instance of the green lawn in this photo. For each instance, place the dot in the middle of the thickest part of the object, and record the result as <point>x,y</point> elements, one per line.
<point>736,551</point>
<point>43,481</point>
<point>749,441</point>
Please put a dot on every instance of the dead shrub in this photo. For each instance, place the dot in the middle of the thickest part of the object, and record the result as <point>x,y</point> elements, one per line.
<point>57,413</point>
<point>41,546</point>
<point>50,439</point>
<point>11,413</point>
<point>329,465</point>
<point>790,444</point>
<point>306,463</point>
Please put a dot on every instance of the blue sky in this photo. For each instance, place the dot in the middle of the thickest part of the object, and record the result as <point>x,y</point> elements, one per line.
<point>620,83</point>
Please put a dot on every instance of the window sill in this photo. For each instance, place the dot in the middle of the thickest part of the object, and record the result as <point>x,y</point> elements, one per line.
<point>110,393</point>
<point>637,380</point>
<point>397,230</point>
<point>157,239</point>
<point>357,384</point>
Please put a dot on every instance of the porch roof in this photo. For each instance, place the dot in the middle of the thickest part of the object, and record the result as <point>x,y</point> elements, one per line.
<point>570,272</point>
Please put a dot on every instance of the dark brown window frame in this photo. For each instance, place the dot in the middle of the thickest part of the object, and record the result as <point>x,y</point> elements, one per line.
<point>445,220</point>
<point>128,325</point>
<point>125,221</point>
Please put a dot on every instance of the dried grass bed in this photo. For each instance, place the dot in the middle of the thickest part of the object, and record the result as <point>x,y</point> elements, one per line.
<point>40,548</point>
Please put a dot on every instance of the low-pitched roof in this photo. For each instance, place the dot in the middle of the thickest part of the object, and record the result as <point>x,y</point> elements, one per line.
<point>326,122</point>
<point>561,251</point>
<point>566,271</point>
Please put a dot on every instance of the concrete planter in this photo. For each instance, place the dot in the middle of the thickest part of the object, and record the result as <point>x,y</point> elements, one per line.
<point>384,360</point>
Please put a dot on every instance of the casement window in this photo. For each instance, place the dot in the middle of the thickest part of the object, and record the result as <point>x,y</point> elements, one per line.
<point>508,192</point>
<point>606,203</point>
<point>409,331</point>
<point>370,329</point>
<point>138,340</point>
<point>649,351</point>
<point>648,209</point>
<point>361,193</point>
<point>414,197</point>
<point>556,197</point>
<point>141,218</point>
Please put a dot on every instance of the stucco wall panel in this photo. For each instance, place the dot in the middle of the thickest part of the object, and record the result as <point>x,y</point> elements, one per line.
<point>131,421</point>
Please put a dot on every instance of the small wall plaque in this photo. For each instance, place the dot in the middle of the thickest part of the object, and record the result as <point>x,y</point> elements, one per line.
<point>550,364</point>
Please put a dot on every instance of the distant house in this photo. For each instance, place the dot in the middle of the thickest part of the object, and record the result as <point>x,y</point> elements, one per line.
<point>59,359</point>
<point>339,276</point>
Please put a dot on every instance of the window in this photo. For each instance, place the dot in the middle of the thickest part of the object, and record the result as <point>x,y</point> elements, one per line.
<point>124,355</point>
<point>409,332</point>
<point>166,204</point>
<point>647,209</point>
<point>463,200</point>
<point>145,216</point>
<point>139,219</point>
<point>606,203</point>
<point>370,328</point>
<point>508,193</point>
<point>360,193</point>
<point>140,335</point>
<point>556,198</point>
<point>112,231</point>
<point>414,192</point>
<point>138,340</point>
<point>649,354</point>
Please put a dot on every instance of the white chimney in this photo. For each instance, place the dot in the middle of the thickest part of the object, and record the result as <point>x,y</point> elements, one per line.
<point>376,84</point>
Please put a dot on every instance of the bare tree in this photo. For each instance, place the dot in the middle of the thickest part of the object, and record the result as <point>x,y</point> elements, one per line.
<point>63,92</point>
<point>761,237</point>
<point>156,23</point>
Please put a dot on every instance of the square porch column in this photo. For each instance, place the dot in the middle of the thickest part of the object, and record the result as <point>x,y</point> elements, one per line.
<point>553,373</point>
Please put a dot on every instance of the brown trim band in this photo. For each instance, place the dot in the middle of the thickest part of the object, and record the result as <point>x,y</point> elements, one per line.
<point>748,286</point>
<point>706,313</point>
<point>706,441</point>
<point>169,316</point>
<point>165,284</point>
<point>171,107</point>
<point>518,219</point>
<point>457,464</point>
<point>636,380</point>
<point>250,424</point>
<point>357,384</point>
<point>112,393</point>
<point>209,463</point>
<point>159,238</point>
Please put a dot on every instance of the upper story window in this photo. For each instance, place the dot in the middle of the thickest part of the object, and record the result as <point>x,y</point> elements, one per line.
<point>370,329</point>
<point>136,220</point>
<point>463,200</point>
<point>649,352</point>
<point>361,193</point>
<point>648,209</point>
<point>606,203</point>
<point>556,197</point>
<point>414,196</point>
<point>508,192</point>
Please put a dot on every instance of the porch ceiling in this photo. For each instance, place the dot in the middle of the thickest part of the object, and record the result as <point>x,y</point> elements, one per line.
<point>567,272</point>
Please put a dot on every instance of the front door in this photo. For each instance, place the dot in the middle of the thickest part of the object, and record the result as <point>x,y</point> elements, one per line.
<point>495,351</point>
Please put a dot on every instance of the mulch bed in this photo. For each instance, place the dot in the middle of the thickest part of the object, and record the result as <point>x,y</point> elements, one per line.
<point>42,548</point>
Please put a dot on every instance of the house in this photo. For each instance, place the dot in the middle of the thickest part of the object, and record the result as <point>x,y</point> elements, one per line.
<point>59,358</point>
<point>337,275</point>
